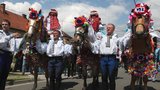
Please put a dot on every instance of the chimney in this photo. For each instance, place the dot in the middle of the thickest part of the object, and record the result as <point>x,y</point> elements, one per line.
<point>24,15</point>
<point>2,8</point>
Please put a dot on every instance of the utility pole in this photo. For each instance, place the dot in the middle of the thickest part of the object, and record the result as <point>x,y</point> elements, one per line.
<point>135,2</point>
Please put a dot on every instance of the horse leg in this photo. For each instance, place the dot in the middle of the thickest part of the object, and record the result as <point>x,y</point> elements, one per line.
<point>145,80</point>
<point>69,69</point>
<point>140,83</point>
<point>35,78</point>
<point>95,72</point>
<point>46,76</point>
<point>133,80</point>
<point>84,73</point>
<point>95,82</point>
<point>79,70</point>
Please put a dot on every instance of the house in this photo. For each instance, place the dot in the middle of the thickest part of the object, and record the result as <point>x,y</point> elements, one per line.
<point>18,22</point>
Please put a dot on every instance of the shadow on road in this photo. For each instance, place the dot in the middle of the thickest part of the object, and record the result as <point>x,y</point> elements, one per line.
<point>64,85</point>
<point>138,88</point>
<point>155,81</point>
<point>119,77</point>
<point>67,85</point>
<point>95,87</point>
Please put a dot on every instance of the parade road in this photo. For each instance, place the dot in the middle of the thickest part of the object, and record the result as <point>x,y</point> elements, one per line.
<point>122,83</point>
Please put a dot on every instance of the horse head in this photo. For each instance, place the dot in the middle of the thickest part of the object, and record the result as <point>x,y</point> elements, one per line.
<point>140,19</point>
<point>36,28</point>
<point>35,22</point>
<point>81,31</point>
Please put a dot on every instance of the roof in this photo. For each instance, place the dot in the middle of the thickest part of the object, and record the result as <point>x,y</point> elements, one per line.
<point>66,35</point>
<point>17,21</point>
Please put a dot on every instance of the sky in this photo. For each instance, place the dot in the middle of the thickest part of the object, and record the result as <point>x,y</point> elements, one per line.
<point>110,11</point>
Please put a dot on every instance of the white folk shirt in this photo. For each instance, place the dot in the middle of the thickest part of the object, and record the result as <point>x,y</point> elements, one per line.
<point>112,50</point>
<point>7,42</point>
<point>58,49</point>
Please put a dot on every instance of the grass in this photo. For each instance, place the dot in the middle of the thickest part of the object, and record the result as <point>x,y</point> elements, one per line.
<point>17,76</point>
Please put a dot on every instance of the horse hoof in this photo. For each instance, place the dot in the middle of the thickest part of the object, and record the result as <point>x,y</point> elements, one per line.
<point>34,87</point>
<point>84,88</point>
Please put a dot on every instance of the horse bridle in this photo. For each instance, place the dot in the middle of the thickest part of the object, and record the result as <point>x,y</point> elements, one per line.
<point>80,42</point>
<point>145,32</point>
<point>34,26</point>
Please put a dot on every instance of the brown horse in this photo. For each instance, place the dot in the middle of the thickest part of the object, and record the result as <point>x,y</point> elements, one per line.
<point>85,57</point>
<point>140,49</point>
<point>34,58</point>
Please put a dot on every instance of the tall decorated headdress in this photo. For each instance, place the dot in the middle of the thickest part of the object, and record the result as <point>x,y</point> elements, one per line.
<point>94,20</point>
<point>33,14</point>
<point>141,9</point>
<point>53,12</point>
<point>52,22</point>
<point>81,21</point>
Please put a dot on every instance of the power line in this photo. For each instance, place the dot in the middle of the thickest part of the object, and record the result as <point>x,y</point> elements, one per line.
<point>135,2</point>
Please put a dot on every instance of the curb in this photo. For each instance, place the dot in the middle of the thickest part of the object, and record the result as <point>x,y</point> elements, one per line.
<point>15,82</point>
<point>12,82</point>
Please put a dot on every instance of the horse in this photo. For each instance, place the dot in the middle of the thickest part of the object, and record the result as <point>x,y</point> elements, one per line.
<point>141,47</point>
<point>82,48</point>
<point>36,34</point>
<point>69,60</point>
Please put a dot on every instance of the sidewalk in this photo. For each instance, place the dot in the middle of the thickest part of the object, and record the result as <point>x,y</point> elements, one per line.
<point>17,78</point>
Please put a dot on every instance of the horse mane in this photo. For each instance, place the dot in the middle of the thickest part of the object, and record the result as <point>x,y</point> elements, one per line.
<point>43,32</point>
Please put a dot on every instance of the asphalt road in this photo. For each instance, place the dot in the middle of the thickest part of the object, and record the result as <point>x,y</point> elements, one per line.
<point>122,83</point>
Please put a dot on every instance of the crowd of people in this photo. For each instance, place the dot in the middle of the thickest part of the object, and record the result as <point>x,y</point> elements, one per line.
<point>106,46</point>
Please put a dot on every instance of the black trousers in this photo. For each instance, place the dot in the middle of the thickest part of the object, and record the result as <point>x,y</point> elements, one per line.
<point>5,62</point>
<point>55,69</point>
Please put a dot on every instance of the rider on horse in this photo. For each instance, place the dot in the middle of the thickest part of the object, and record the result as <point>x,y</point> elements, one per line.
<point>52,22</point>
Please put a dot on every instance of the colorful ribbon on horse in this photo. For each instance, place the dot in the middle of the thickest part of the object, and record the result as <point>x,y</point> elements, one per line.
<point>141,9</point>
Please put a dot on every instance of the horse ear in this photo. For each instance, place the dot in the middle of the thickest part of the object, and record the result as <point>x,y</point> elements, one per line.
<point>40,11</point>
<point>147,7</point>
<point>132,10</point>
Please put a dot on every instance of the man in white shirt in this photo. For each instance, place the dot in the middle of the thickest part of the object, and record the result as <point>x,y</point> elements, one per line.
<point>6,51</point>
<point>55,50</point>
<point>108,62</point>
